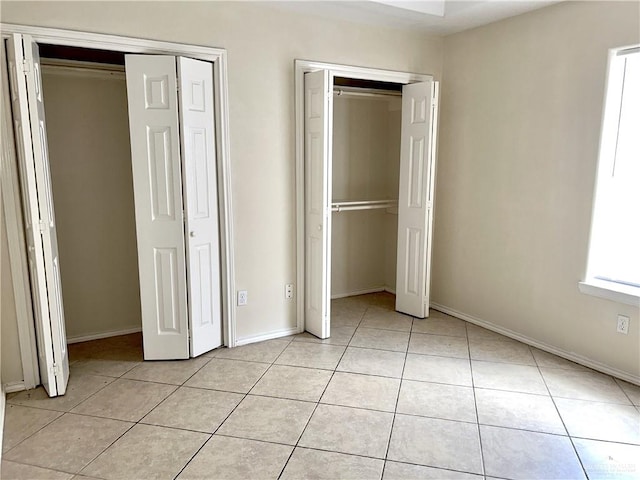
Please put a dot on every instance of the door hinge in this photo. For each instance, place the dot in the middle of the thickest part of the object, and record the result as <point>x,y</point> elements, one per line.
<point>42,226</point>
<point>26,66</point>
<point>55,369</point>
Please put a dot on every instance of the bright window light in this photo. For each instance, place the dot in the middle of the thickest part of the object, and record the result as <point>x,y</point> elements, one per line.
<point>614,251</point>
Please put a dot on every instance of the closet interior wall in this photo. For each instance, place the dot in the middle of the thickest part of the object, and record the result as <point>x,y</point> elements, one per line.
<point>365,166</point>
<point>90,163</point>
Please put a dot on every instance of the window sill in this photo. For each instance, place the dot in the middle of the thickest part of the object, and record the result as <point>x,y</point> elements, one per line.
<point>611,291</point>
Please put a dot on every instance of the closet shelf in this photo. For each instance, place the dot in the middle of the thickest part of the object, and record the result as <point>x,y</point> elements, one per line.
<point>362,205</point>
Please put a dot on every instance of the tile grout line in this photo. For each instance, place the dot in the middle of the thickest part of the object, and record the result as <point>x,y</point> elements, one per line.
<point>475,403</point>
<point>395,410</point>
<point>553,400</point>
<point>318,401</point>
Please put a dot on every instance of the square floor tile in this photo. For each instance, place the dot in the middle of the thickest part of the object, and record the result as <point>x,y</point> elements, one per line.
<point>229,375</point>
<point>381,299</point>
<point>306,463</point>
<point>80,388</point>
<point>127,400</point>
<point>362,391</point>
<point>589,385</point>
<point>147,451</point>
<point>440,345</point>
<point>546,359</point>
<point>346,314</point>
<point>194,409</point>
<point>339,336</point>
<point>427,368</point>
<point>406,471</point>
<point>372,362</point>
<point>237,459</point>
<point>380,339</point>
<point>266,351</point>
<point>518,410</point>
<point>269,419</point>
<point>22,422</point>
<point>450,402</point>
<point>348,430</point>
<point>440,324</point>
<point>632,391</point>
<point>475,331</point>
<point>520,454</point>
<point>600,421</point>
<point>18,471</point>
<point>295,383</point>
<point>607,460</point>
<point>68,443</point>
<point>437,443</point>
<point>376,317</point>
<point>173,372</point>
<point>98,366</point>
<point>312,355</point>
<point>500,351</point>
<point>506,376</point>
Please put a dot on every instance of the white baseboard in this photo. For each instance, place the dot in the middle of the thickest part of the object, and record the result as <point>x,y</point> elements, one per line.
<point>98,336</point>
<point>359,292</point>
<point>267,336</point>
<point>14,387</point>
<point>574,357</point>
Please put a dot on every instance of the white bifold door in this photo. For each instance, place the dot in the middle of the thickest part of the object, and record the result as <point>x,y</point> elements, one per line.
<point>318,114</point>
<point>40,225</point>
<point>415,202</point>
<point>171,121</point>
<point>415,216</point>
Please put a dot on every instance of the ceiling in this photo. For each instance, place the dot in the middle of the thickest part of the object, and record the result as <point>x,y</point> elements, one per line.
<point>441,17</point>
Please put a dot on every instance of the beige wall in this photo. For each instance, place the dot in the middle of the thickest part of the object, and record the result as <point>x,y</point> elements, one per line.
<point>262,43</point>
<point>365,164</point>
<point>521,109</point>
<point>90,159</point>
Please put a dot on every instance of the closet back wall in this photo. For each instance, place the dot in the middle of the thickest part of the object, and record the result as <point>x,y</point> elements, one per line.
<point>366,162</point>
<point>88,133</point>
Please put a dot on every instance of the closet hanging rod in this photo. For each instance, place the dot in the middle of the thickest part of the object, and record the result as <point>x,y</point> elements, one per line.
<point>344,92</point>
<point>363,205</point>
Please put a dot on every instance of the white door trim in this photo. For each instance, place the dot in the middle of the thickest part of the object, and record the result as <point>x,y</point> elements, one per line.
<point>136,45</point>
<point>336,70</point>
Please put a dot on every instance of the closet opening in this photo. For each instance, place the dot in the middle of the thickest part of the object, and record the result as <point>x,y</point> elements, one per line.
<point>365,176</point>
<point>92,186</point>
<point>128,149</point>
<point>366,169</point>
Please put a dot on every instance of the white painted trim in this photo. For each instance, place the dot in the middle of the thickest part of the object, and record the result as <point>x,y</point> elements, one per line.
<point>98,336</point>
<point>12,204</point>
<point>574,357</point>
<point>300,68</point>
<point>615,292</point>
<point>14,387</point>
<point>358,292</point>
<point>136,45</point>
<point>268,336</point>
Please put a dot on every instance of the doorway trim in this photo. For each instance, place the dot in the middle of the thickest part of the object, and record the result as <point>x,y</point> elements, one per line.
<point>335,70</point>
<point>218,57</point>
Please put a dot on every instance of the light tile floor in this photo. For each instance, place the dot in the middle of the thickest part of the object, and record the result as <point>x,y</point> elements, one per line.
<point>387,396</point>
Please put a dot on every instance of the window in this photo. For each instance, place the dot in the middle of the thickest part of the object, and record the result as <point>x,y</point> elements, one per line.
<point>614,251</point>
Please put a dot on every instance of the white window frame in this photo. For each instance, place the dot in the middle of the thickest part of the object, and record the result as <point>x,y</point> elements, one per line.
<point>592,285</point>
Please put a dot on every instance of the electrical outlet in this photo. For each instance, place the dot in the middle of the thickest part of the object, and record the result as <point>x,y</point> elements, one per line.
<point>243,297</point>
<point>288,291</point>
<point>623,324</point>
